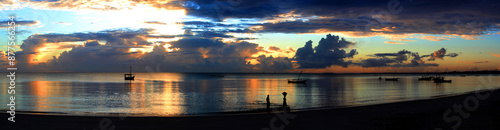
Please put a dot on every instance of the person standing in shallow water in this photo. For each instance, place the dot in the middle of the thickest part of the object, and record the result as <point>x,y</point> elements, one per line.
<point>268,102</point>
<point>284,100</point>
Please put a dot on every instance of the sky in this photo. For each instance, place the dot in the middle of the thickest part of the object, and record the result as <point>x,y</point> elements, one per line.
<point>317,36</point>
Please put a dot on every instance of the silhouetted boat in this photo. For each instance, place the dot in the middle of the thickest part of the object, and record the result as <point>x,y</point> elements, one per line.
<point>380,77</point>
<point>393,78</point>
<point>440,79</point>
<point>129,76</point>
<point>425,78</point>
<point>216,75</point>
<point>298,80</point>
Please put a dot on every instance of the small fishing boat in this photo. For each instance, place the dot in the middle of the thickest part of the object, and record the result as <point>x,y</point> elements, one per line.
<point>425,78</point>
<point>129,76</point>
<point>440,79</point>
<point>393,78</point>
<point>298,80</point>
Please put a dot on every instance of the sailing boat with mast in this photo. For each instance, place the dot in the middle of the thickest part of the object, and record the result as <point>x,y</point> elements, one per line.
<point>393,78</point>
<point>129,76</point>
<point>298,80</point>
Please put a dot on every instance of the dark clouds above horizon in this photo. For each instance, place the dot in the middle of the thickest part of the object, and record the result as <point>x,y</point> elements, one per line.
<point>452,17</point>
<point>204,45</point>
<point>197,54</point>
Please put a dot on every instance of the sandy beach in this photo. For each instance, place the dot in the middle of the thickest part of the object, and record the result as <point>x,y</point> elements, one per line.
<point>475,111</point>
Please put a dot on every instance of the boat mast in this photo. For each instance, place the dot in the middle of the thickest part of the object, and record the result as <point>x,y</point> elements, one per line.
<point>130,69</point>
<point>300,74</point>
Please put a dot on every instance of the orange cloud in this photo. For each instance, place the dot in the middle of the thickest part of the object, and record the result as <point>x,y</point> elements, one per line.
<point>390,42</point>
<point>385,29</point>
<point>273,48</point>
<point>495,55</point>
<point>433,38</point>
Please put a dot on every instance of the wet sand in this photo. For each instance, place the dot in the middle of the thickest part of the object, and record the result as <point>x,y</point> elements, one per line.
<point>479,111</point>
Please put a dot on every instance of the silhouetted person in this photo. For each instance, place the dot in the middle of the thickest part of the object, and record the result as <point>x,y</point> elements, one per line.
<point>268,102</point>
<point>285,106</point>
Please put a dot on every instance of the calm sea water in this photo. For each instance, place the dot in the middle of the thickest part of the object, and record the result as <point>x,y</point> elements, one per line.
<point>170,94</point>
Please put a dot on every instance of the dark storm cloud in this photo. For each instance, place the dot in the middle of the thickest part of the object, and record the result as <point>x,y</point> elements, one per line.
<point>310,26</point>
<point>463,17</point>
<point>403,58</point>
<point>380,62</point>
<point>246,38</point>
<point>221,9</point>
<point>274,64</point>
<point>330,51</point>
<point>394,16</point>
<point>212,34</point>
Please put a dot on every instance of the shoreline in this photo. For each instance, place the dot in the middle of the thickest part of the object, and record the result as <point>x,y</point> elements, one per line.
<point>415,114</point>
<point>252,111</point>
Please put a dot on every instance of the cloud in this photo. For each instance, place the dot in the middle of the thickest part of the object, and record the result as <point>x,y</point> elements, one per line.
<point>155,22</point>
<point>433,38</point>
<point>274,48</point>
<point>439,54</point>
<point>465,19</point>
<point>373,62</point>
<point>330,51</point>
<point>390,42</point>
<point>479,62</point>
<point>220,10</point>
<point>4,59</point>
<point>246,38</point>
<point>114,50</point>
<point>30,23</point>
<point>274,64</point>
<point>104,5</point>
<point>493,54</point>
<point>373,17</point>
<point>403,58</point>
<point>64,23</point>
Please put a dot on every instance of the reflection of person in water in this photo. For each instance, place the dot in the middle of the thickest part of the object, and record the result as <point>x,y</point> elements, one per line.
<point>268,102</point>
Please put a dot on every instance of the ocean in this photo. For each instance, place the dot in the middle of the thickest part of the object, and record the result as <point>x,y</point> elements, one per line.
<point>177,94</point>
